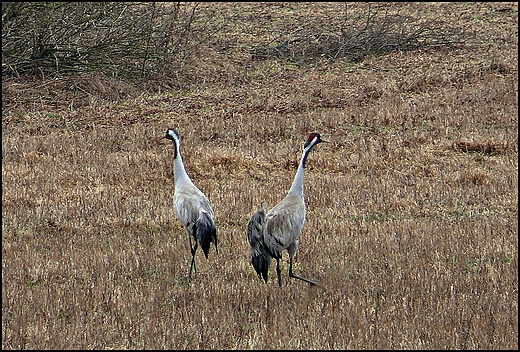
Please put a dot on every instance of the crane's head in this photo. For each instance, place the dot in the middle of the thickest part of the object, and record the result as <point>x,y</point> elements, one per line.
<point>173,136</point>
<point>314,138</point>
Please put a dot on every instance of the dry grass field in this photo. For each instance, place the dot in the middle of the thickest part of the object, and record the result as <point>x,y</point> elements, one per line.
<point>412,208</point>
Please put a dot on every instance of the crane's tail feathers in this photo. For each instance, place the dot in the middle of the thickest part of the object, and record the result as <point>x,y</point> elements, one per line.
<point>255,227</point>
<point>260,257</point>
<point>206,232</point>
<point>260,260</point>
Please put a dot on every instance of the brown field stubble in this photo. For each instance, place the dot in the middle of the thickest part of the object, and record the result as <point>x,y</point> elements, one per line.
<point>412,209</point>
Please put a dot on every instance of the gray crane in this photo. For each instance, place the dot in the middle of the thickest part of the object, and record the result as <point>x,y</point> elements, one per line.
<point>191,205</point>
<point>270,232</point>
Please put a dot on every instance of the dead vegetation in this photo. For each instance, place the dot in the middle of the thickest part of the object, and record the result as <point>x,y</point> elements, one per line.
<point>118,39</point>
<point>488,148</point>
<point>375,29</point>
<point>412,208</point>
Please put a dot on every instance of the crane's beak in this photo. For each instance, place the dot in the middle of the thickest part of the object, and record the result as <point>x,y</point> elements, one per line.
<point>161,138</point>
<point>324,135</point>
<point>165,135</point>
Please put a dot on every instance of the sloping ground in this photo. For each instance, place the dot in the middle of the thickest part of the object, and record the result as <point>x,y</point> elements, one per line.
<point>412,223</point>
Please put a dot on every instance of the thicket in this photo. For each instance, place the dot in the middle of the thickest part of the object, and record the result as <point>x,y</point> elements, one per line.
<point>141,39</point>
<point>378,29</point>
<point>116,38</point>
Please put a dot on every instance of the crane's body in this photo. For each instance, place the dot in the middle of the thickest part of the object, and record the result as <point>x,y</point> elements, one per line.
<point>271,232</point>
<point>284,224</point>
<point>192,207</point>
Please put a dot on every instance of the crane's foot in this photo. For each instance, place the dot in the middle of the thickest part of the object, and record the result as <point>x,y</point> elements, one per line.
<point>312,283</point>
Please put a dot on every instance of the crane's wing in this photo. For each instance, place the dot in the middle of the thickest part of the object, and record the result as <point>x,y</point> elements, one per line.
<point>283,224</point>
<point>196,214</point>
<point>188,203</point>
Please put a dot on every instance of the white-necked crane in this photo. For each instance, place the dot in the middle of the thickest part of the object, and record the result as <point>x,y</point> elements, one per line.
<point>270,232</point>
<point>191,205</point>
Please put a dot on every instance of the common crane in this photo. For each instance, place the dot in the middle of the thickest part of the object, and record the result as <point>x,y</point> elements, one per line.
<point>270,232</point>
<point>191,205</point>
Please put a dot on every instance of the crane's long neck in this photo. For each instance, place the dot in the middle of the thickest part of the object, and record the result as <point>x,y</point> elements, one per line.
<point>179,172</point>
<point>297,185</point>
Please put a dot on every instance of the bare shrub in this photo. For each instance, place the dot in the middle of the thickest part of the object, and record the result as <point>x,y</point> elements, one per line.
<point>116,38</point>
<point>378,29</point>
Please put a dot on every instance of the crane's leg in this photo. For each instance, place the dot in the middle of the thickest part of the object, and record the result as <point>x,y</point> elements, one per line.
<point>279,272</point>
<point>312,283</point>
<point>193,251</point>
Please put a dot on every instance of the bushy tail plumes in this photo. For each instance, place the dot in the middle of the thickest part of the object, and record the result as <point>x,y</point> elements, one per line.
<point>260,258</point>
<point>206,232</point>
<point>261,261</point>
